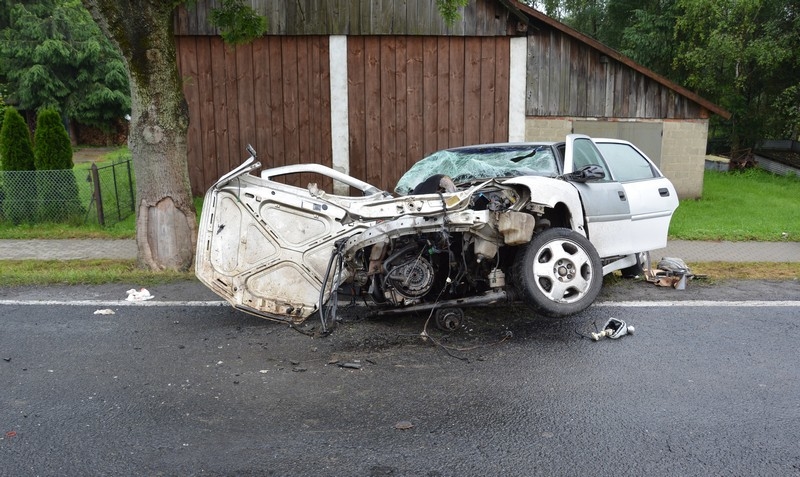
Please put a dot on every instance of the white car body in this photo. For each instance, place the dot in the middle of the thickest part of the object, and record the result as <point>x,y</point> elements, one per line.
<point>279,251</point>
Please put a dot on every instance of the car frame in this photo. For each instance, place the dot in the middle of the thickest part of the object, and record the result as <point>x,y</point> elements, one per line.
<point>544,238</point>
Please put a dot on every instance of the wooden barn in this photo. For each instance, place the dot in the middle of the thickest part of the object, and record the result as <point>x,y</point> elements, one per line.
<point>369,87</point>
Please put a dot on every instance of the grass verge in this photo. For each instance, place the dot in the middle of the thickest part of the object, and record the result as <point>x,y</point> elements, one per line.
<point>741,206</point>
<point>126,229</point>
<point>717,271</point>
<point>99,272</point>
<point>82,272</point>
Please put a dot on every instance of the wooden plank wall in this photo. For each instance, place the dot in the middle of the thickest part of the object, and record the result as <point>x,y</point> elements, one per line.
<point>273,93</point>
<point>355,17</point>
<point>411,96</point>
<point>566,77</point>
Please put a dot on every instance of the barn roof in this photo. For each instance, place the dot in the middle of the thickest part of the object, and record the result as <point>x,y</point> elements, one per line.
<point>533,18</point>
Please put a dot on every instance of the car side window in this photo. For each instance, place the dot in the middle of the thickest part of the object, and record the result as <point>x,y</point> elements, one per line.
<point>627,163</point>
<point>585,154</point>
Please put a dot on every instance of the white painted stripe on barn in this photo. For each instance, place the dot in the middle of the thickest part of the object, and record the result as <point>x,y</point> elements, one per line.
<point>518,57</point>
<point>340,129</point>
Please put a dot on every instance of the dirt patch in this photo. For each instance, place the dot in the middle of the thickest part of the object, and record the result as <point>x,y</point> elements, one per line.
<point>90,154</point>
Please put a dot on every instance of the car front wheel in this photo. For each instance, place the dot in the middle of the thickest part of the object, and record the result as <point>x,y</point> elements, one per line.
<point>559,273</point>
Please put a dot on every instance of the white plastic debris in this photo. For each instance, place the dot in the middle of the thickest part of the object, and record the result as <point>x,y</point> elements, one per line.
<point>138,295</point>
<point>104,311</point>
<point>404,425</point>
<point>614,329</point>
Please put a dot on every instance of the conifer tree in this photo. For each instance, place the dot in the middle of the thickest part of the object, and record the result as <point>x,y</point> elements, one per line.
<point>16,150</point>
<point>58,198</point>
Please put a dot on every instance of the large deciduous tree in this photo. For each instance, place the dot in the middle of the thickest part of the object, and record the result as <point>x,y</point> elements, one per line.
<point>740,54</point>
<point>166,226</point>
<point>166,223</point>
<point>743,54</point>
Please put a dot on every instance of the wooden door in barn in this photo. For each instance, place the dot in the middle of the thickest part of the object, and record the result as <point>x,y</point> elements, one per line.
<point>273,93</point>
<point>409,96</point>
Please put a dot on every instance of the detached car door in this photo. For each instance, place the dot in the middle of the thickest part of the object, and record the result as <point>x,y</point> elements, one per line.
<point>652,196</point>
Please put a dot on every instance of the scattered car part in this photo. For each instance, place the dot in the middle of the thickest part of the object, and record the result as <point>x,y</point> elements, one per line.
<point>449,319</point>
<point>614,329</point>
<point>670,272</point>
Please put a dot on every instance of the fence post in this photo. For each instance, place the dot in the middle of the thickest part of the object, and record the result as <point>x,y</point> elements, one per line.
<point>116,190</point>
<point>130,186</point>
<point>98,196</point>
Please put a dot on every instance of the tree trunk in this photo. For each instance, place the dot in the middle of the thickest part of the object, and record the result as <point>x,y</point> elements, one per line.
<point>166,223</point>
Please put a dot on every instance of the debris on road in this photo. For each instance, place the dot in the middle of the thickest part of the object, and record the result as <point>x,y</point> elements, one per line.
<point>350,365</point>
<point>404,425</point>
<point>104,311</point>
<point>614,329</point>
<point>669,272</point>
<point>138,295</point>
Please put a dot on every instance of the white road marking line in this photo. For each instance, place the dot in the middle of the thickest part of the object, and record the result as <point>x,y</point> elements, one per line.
<point>621,304</point>
<point>699,303</point>
<point>110,303</point>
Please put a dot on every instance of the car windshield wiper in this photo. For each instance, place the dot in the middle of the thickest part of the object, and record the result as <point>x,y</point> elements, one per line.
<point>519,158</point>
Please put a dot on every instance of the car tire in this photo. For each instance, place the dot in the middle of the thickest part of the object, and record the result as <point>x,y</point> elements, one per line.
<point>558,273</point>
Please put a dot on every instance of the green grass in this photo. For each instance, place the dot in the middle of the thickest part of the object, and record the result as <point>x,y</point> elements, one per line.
<point>82,272</point>
<point>125,229</point>
<point>753,205</point>
<point>87,226</point>
<point>741,206</point>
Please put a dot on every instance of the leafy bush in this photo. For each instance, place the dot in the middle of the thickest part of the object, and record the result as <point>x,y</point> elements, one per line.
<point>16,150</point>
<point>57,190</point>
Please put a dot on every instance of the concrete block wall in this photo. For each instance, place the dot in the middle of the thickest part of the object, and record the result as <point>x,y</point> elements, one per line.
<point>683,152</point>
<point>683,148</point>
<point>547,129</point>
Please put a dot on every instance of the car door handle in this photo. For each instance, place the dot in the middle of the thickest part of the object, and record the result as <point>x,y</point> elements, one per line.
<point>621,195</point>
<point>663,192</point>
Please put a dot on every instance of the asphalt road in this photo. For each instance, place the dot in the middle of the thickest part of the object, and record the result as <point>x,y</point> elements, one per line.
<point>701,388</point>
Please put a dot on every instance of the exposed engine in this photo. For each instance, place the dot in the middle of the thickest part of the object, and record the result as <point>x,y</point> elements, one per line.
<point>434,266</point>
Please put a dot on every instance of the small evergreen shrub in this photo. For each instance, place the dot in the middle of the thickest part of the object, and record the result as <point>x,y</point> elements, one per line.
<point>16,150</point>
<point>2,116</point>
<point>56,187</point>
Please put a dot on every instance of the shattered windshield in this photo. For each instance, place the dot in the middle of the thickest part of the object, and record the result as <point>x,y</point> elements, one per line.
<point>467,164</point>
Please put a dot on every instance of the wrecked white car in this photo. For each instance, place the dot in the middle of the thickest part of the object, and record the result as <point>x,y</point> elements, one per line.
<point>539,223</point>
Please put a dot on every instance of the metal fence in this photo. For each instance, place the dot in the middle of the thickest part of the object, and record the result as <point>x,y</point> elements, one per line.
<point>102,195</point>
<point>112,196</point>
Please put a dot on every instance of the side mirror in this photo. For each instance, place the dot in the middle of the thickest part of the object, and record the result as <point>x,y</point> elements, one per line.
<point>592,172</point>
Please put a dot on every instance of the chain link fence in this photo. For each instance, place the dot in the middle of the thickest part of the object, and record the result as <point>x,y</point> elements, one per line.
<point>102,195</point>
